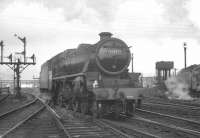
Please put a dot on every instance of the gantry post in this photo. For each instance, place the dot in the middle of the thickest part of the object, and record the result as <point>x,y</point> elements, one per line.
<point>17,66</point>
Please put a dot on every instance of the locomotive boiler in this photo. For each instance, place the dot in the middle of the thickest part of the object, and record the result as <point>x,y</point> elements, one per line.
<point>92,78</point>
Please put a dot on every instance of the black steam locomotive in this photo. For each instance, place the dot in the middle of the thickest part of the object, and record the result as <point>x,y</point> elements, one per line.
<point>92,78</point>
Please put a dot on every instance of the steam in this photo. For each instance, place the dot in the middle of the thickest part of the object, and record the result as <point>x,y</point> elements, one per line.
<point>177,89</point>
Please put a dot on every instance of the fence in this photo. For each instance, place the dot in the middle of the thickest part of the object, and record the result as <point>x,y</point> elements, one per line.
<point>23,83</point>
<point>4,90</point>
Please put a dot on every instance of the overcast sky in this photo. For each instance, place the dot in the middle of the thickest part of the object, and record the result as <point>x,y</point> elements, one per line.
<point>156,29</point>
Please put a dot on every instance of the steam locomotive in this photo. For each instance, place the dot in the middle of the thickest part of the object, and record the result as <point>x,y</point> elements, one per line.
<point>191,77</point>
<point>93,78</point>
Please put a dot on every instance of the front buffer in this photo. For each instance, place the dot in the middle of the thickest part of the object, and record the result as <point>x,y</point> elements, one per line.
<point>121,103</point>
<point>115,107</point>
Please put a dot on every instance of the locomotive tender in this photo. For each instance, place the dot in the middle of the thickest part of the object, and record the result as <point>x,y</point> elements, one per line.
<point>92,78</point>
<point>191,78</point>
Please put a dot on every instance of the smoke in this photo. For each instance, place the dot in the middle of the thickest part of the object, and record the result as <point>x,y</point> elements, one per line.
<point>175,10</point>
<point>5,3</point>
<point>178,13</point>
<point>84,10</point>
<point>177,89</point>
<point>81,9</point>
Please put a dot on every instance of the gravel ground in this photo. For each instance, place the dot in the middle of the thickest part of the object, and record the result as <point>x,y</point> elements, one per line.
<point>12,102</point>
<point>10,120</point>
<point>41,126</point>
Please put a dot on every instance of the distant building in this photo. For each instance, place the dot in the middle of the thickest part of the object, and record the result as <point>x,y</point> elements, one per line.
<point>136,79</point>
<point>23,83</point>
<point>148,82</point>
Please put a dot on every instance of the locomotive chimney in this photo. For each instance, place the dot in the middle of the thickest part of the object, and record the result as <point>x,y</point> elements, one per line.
<point>105,35</point>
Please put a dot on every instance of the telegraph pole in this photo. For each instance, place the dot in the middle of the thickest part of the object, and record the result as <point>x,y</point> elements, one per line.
<point>14,78</point>
<point>132,61</point>
<point>17,66</point>
<point>175,69</point>
<point>185,54</point>
<point>2,45</point>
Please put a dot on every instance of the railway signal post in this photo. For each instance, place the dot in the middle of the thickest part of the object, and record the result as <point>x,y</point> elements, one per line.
<point>17,65</point>
<point>132,61</point>
<point>185,54</point>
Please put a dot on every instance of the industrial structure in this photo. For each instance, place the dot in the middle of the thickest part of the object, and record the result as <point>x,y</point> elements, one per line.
<point>18,65</point>
<point>163,70</point>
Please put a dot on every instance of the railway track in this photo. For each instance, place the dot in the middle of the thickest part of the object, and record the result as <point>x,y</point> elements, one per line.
<point>4,97</point>
<point>142,127</point>
<point>135,127</point>
<point>154,127</point>
<point>20,122</point>
<point>173,102</point>
<point>11,102</point>
<point>192,113</point>
<point>42,124</point>
<point>162,126</point>
<point>173,105</point>
<point>89,128</point>
<point>129,129</point>
<point>182,126</point>
<point>10,120</point>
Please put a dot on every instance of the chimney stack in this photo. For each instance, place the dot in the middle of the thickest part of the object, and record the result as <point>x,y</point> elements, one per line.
<point>105,35</point>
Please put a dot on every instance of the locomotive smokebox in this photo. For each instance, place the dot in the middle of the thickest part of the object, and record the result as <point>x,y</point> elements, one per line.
<point>112,54</point>
<point>105,35</point>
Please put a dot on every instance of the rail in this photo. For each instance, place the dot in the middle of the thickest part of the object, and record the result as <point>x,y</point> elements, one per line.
<point>136,132</point>
<point>175,102</point>
<point>4,98</point>
<point>2,116</point>
<point>18,108</point>
<point>22,122</point>
<point>42,107</point>
<point>169,117</point>
<point>114,130</point>
<point>89,127</point>
<point>57,119</point>
<point>4,89</point>
<point>172,105</point>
